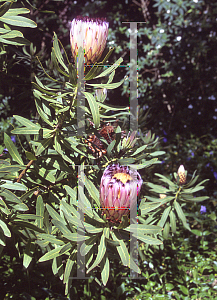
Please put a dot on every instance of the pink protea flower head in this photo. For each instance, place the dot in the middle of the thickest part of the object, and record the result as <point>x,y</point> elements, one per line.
<point>90,34</point>
<point>181,175</point>
<point>119,189</point>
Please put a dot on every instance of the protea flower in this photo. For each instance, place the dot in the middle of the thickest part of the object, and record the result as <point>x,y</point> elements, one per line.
<point>119,189</point>
<point>90,34</point>
<point>181,175</point>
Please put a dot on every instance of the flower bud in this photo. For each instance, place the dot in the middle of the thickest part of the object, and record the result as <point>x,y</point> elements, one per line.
<point>101,94</point>
<point>119,189</point>
<point>90,34</point>
<point>181,175</point>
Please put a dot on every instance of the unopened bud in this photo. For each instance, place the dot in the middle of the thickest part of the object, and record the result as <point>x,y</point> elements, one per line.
<point>181,175</point>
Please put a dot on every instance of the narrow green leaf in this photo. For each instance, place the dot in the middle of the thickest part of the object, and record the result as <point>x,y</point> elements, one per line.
<point>194,189</point>
<point>94,108</point>
<point>105,269</point>
<point>28,254</point>
<point>75,220</point>
<point>61,227</point>
<point>134,266</point>
<point>166,230</point>
<point>66,248</point>
<point>194,199</point>
<point>28,217</point>
<point>114,108</point>
<point>9,196</point>
<point>71,145</point>
<point>157,188</point>
<point>50,238</point>
<point>17,41</point>
<point>2,241</point>
<point>47,174</point>
<point>25,130</point>
<point>42,91</point>
<point>143,229</point>
<point>58,52</point>
<point>40,108</point>
<point>107,86</point>
<point>17,11</point>
<point>110,148</point>
<point>72,193</point>
<point>173,221</point>
<point>88,244</point>
<point>58,148</point>
<point>93,72</point>
<point>69,265</point>
<point>5,229</point>
<point>164,216</point>
<point>27,123</point>
<point>72,74</point>
<point>126,161</point>
<point>17,21</point>
<point>11,169</point>
<point>180,212</point>
<point>56,64</point>
<point>122,249</point>
<point>65,207</point>
<point>28,225</point>
<point>43,145</point>
<point>192,181</point>
<point>12,34</point>
<point>100,254</point>
<point>92,229</point>
<point>110,69</point>
<point>93,191</point>
<point>97,218</point>
<point>4,8</point>
<point>140,149</point>
<point>166,180</point>
<point>84,203</point>
<point>157,153</point>
<point>75,237</point>
<point>54,214</point>
<point>3,207</point>
<point>12,149</point>
<point>15,186</point>
<point>145,164</point>
<point>148,239</point>
<point>147,207</point>
<point>30,155</point>
<point>51,254</point>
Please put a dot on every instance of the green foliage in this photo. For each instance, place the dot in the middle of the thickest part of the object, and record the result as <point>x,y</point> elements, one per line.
<point>10,16</point>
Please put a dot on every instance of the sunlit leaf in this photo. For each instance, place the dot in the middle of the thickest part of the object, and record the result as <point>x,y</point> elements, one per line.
<point>12,149</point>
<point>100,254</point>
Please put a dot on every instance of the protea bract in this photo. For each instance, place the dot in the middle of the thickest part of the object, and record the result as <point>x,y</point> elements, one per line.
<point>119,189</point>
<point>181,175</point>
<point>90,34</point>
